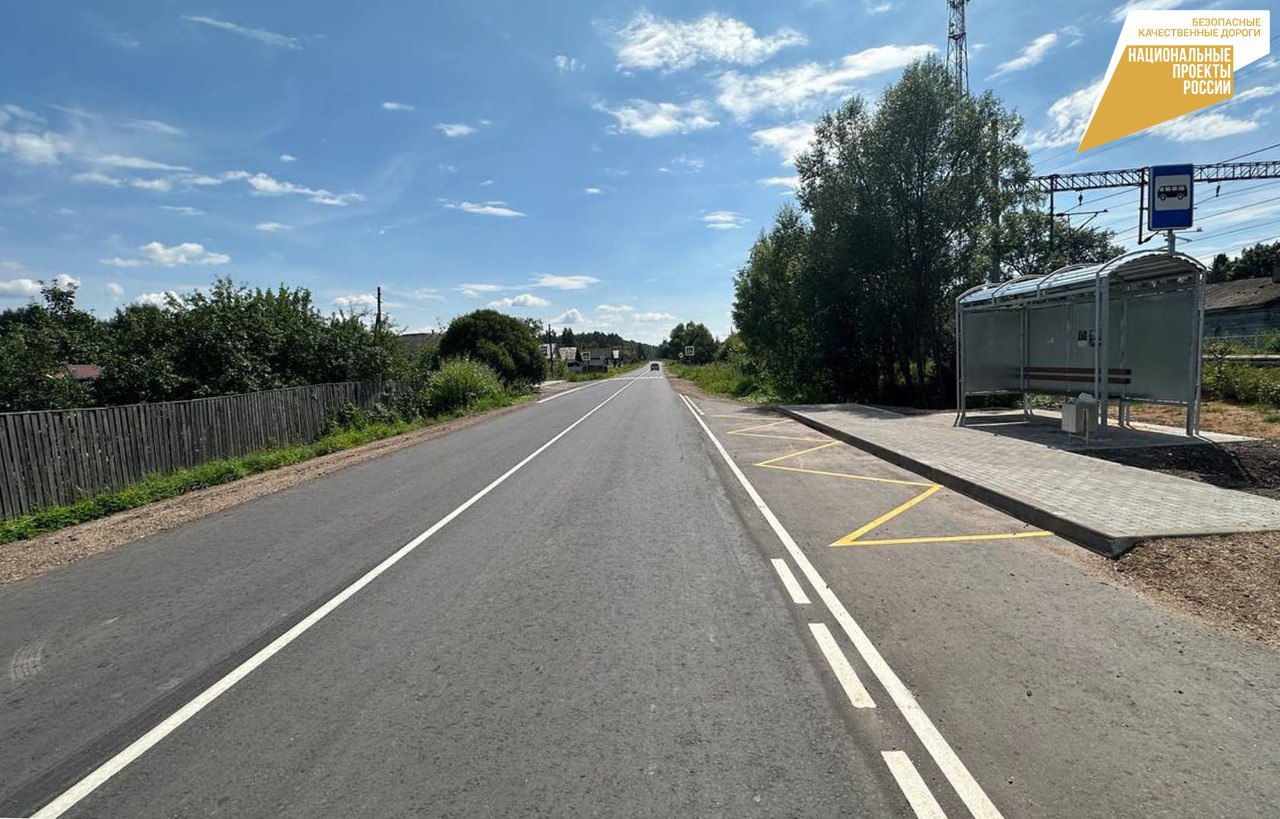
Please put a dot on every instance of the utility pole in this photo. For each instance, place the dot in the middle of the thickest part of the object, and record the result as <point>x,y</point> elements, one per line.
<point>957,43</point>
<point>377,321</point>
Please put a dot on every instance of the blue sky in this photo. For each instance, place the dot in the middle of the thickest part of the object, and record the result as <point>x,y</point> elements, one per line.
<point>606,164</point>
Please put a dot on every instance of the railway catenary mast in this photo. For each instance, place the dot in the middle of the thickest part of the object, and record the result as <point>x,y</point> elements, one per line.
<point>957,43</point>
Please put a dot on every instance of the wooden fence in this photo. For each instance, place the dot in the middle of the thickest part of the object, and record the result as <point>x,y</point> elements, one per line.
<point>61,456</point>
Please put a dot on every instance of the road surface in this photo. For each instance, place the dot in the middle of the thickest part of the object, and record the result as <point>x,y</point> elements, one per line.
<point>618,602</point>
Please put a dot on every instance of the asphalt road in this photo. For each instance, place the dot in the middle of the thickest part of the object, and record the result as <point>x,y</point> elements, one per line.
<point>601,605</point>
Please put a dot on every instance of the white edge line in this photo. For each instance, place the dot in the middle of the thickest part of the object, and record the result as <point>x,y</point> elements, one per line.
<point>853,687</point>
<point>140,746</point>
<point>970,792</point>
<point>789,581</point>
<point>912,785</point>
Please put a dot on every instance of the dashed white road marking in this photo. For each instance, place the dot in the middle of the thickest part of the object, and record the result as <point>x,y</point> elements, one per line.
<point>913,787</point>
<point>789,581</point>
<point>970,792</point>
<point>853,687</point>
<point>140,746</point>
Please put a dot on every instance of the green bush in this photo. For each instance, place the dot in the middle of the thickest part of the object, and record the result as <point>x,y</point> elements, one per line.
<point>1269,392</point>
<point>461,382</point>
<point>506,344</point>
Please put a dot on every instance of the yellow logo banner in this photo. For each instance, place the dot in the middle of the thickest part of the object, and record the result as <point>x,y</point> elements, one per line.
<point>1170,63</point>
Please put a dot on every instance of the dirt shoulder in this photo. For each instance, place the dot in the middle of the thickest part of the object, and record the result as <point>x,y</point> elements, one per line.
<point>1249,466</point>
<point>29,558</point>
<point>1230,581</point>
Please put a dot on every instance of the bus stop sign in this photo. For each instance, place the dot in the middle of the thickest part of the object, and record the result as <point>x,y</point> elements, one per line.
<point>1170,197</point>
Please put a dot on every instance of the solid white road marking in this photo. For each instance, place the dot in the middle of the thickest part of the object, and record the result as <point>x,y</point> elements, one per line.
<point>140,746</point>
<point>566,392</point>
<point>789,581</point>
<point>971,793</point>
<point>844,672</point>
<point>913,787</point>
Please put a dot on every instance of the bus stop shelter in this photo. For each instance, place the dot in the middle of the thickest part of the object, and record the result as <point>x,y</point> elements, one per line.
<point>1127,330</point>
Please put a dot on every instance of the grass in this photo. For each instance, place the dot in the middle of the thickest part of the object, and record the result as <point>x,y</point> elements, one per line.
<point>154,488</point>
<point>722,378</point>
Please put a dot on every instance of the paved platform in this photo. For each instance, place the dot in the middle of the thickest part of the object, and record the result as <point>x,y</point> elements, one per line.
<point>1045,428</point>
<point>1105,506</point>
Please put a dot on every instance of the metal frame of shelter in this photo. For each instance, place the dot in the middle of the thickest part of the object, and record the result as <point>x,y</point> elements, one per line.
<point>1014,337</point>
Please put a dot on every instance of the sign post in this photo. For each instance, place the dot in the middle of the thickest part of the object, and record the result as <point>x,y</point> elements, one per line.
<point>688,351</point>
<point>1170,199</point>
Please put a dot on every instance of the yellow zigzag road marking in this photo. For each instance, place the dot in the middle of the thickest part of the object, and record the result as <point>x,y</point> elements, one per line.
<point>855,538</point>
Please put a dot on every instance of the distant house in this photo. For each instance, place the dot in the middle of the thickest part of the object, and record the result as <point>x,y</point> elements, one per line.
<point>78,372</point>
<point>413,342</point>
<point>601,359</point>
<point>1247,307</point>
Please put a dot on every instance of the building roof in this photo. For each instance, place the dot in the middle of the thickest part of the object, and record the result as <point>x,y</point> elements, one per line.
<point>1242,295</point>
<point>84,372</point>
<point>416,341</point>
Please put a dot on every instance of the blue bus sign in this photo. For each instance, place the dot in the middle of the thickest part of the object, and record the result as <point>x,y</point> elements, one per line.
<point>1170,197</point>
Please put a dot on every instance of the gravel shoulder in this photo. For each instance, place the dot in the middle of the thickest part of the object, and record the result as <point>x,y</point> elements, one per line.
<point>29,558</point>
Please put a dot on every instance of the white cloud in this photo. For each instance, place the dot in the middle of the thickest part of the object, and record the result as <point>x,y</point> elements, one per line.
<point>649,42</point>
<point>1206,126</point>
<point>781,181</point>
<point>724,220</point>
<point>1121,11</point>
<point>645,318</point>
<point>97,178</point>
<point>19,288</point>
<point>594,191</point>
<point>570,316</point>
<point>155,126</point>
<point>484,209</point>
<point>273,227</point>
<point>567,65</point>
<point>1031,54</point>
<point>876,7</point>
<point>472,291</point>
<point>183,210</point>
<point>556,282</point>
<point>114,290</point>
<point>453,130</point>
<point>32,148</point>
<point>156,299</point>
<point>288,158</point>
<point>654,119</point>
<point>788,140</point>
<point>265,185</point>
<point>615,309</point>
<point>161,185</point>
<point>398,106</point>
<point>261,35</point>
<point>136,163</point>
<point>804,86</point>
<point>522,300</point>
<point>356,300</point>
<point>182,254</point>
<point>119,262</point>
<point>684,164</point>
<point>64,280</point>
<point>1069,117</point>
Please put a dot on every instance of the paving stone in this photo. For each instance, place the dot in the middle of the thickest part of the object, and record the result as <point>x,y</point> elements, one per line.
<point>1121,504</point>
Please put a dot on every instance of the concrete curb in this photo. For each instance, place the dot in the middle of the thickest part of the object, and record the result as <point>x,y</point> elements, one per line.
<point>1109,545</point>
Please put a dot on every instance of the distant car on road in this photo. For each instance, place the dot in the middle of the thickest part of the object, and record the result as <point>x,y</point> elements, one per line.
<point>654,366</point>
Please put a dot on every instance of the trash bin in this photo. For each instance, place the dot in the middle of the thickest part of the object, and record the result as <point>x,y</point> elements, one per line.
<point>1080,415</point>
